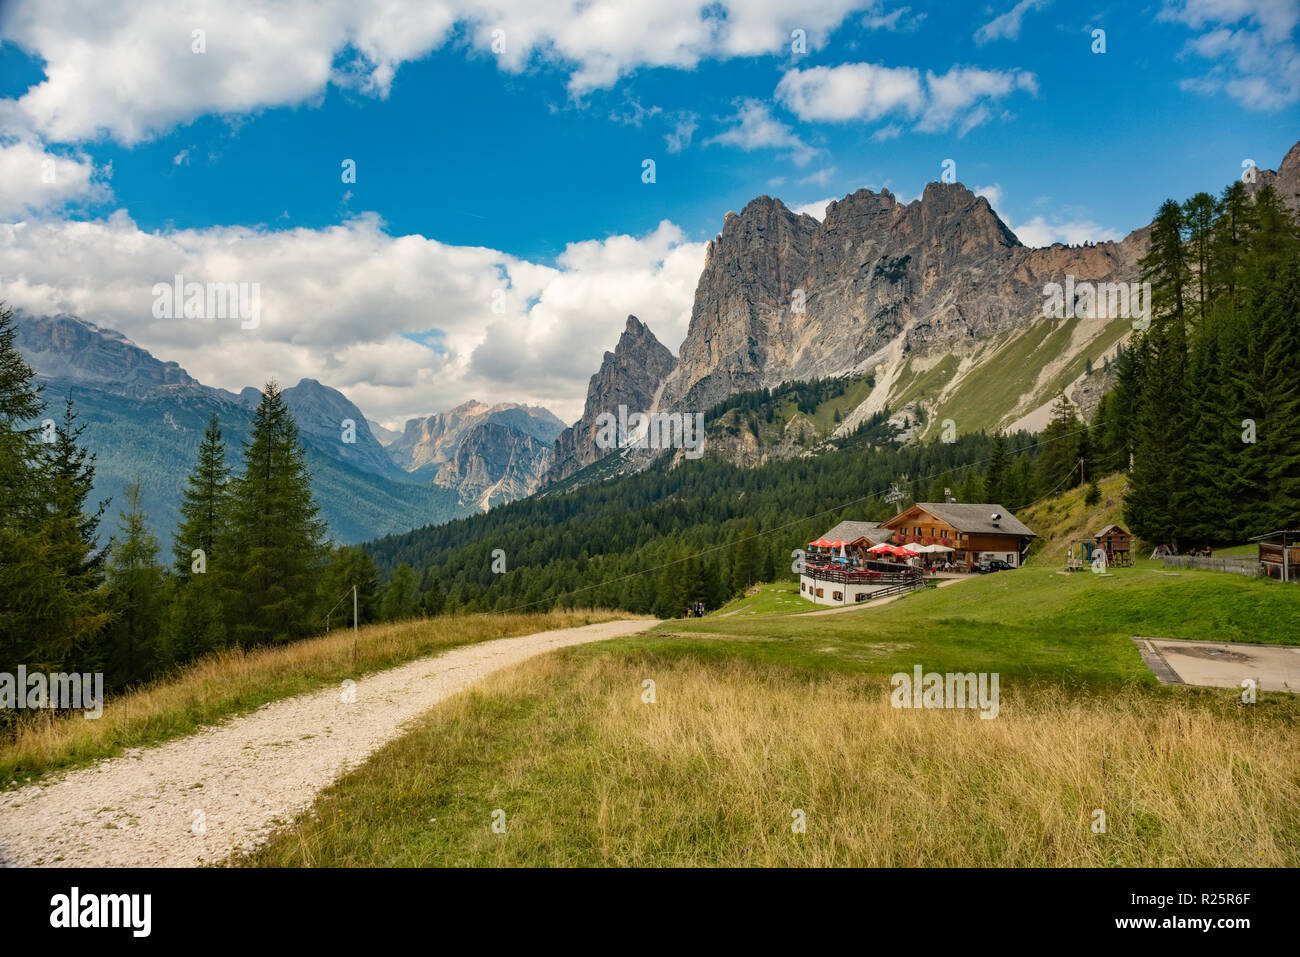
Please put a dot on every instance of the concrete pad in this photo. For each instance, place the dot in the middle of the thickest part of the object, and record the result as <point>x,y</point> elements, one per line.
<point>1218,664</point>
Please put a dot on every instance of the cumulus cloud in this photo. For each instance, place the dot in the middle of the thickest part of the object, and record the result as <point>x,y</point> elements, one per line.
<point>1041,232</point>
<point>1252,44</point>
<point>136,68</point>
<point>851,91</point>
<point>754,128</point>
<point>403,325</point>
<point>816,209</point>
<point>32,179</point>
<point>960,98</point>
<point>1007,26</point>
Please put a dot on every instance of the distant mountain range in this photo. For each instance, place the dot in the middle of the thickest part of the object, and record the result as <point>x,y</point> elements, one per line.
<point>935,303</point>
<point>145,417</point>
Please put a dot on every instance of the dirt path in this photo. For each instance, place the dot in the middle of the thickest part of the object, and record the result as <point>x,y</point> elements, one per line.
<point>193,800</point>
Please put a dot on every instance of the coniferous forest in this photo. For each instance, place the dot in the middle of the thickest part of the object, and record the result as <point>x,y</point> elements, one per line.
<point>1207,399</point>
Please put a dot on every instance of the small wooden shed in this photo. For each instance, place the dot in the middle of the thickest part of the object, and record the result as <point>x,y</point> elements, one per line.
<point>1116,543</point>
<point>1279,554</point>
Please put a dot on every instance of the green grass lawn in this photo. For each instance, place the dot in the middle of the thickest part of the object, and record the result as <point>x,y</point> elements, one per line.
<point>1027,623</point>
<point>780,598</point>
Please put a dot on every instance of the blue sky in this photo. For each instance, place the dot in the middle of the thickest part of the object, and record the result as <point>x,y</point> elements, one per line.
<point>229,160</point>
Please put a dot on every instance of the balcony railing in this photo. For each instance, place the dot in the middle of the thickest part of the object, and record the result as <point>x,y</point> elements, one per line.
<point>874,573</point>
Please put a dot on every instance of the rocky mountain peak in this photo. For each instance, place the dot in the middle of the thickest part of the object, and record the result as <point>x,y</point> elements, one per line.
<point>75,350</point>
<point>630,375</point>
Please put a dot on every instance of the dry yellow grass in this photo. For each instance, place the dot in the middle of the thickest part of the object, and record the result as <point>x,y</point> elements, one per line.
<point>711,772</point>
<point>232,682</point>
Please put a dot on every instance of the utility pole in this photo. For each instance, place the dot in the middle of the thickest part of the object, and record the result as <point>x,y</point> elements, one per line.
<point>354,627</point>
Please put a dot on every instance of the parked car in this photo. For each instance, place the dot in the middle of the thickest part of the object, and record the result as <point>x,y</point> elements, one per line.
<point>993,565</point>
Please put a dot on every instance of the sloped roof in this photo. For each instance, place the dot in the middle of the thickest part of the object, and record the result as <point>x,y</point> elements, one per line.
<point>852,531</point>
<point>975,517</point>
<point>1108,528</point>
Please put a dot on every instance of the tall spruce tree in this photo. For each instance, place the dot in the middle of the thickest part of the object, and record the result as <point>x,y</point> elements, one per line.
<point>275,534</point>
<point>203,563</point>
<point>1058,462</point>
<point>73,526</point>
<point>48,617</point>
<point>402,596</point>
<point>137,597</point>
<point>996,477</point>
<point>1153,506</point>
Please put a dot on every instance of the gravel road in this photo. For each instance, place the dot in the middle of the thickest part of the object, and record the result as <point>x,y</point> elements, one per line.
<point>196,799</point>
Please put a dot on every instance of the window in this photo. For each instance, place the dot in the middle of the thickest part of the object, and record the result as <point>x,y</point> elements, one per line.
<point>860,596</point>
<point>803,586</point>
<point>820,592</point>
<point>837,595</point>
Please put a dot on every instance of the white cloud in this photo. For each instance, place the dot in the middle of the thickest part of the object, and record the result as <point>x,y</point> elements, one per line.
<point>961,95</point>
<point>819,178</point>
<point>1040,232</point>
<point>1007,26</point>
<point>683,129</point>
<point>817,210</point>
<point>897,19</point>
<point>755,128</point>
<point>1253,46</point>
<point>851,91</point>
<point>33,179</point>
<point>993,193</point>
<point>338,303</point>
<point>129,69</point>
<point>864,91</point>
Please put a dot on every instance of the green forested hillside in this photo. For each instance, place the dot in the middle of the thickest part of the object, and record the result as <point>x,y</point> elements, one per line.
<point>701,530</point>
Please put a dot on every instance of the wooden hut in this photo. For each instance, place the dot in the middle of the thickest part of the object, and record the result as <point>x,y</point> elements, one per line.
<point>1279,554</point>
<point>1116,543</point>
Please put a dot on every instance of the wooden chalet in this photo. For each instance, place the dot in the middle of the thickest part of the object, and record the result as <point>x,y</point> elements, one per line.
<point>847,575</point>
<point>976,531</point>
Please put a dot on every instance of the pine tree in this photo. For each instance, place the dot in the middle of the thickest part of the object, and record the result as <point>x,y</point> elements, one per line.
<point>197,621</point>
<point>136,588</point>
<point>402,597</point>
<point>995,479</point>
<point>204,507</point>
<point>431,596</point>
<point>274,531</point>
<point>73,527</point>
<point>1154,504</point>
<point>1058,462</point>
<point>744,557</point>
<point>48,617</point>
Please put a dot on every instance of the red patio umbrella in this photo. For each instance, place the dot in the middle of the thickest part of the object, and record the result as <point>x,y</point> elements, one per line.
<point>820,543</point>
